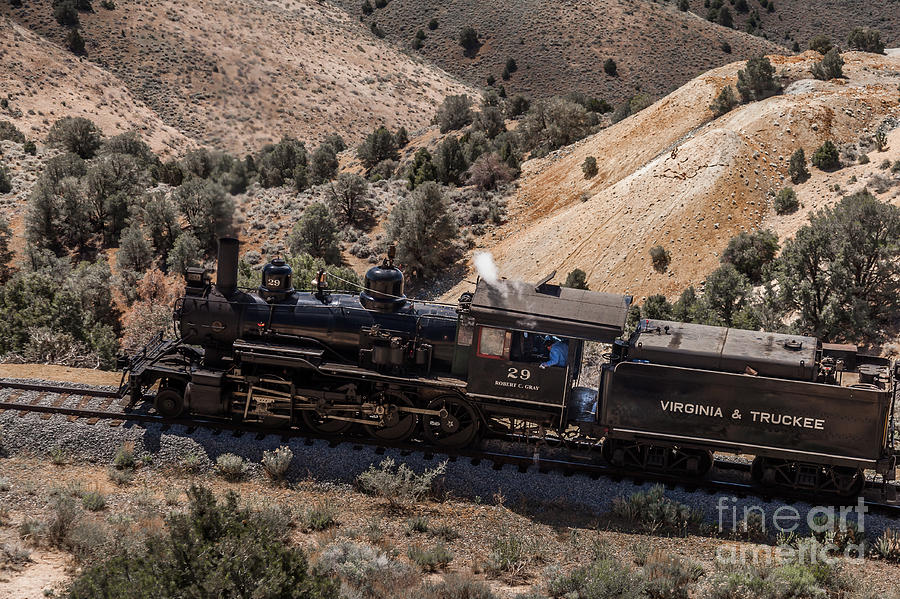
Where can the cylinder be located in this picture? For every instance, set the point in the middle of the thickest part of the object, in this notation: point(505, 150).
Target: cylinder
point(227, 266)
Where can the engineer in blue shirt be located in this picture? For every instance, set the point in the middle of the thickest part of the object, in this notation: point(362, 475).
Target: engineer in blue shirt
point(559, 352)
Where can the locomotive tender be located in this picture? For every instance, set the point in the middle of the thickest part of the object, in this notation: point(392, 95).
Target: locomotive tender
point(814, 416)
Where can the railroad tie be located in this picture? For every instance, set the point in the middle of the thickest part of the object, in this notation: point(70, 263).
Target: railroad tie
point(33, 402)
point(81, 405)
point(103, 406)
point(12, 397)
point(59, 400)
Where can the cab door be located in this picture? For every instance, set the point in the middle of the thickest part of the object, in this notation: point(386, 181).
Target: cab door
point(495, 373)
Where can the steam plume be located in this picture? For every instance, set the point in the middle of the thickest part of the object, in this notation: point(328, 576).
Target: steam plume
point(487, 270)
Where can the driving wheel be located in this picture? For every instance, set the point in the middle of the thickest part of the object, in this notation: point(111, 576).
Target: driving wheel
point(396, 425)
point(456, 426)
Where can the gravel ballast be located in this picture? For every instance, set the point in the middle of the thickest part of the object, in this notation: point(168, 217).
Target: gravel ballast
point(29, 434)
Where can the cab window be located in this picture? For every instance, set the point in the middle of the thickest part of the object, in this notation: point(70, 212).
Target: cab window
point(493, 343)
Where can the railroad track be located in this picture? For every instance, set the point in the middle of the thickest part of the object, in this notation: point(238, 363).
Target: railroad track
point(118, 412)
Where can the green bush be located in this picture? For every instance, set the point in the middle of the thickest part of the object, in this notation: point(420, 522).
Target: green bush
point(431, 559)
point(367, 8)
point(821, 44)
point(231, 466)
point(830, 67)
point(468, 39)
point(684, 5)
point(604, 578)
point(5, 183)
point(724, 102)
point(120, 477)
point(10, 132)
point(838, 271)
point(655, 511)
point(669, 576)
point(552, 124)
point(576, 279)
point(866, 40)
point(416, 524)
point(660, 258)
point(75, 42)
point(786, 201)
point(319, 517)
point(756, 81)
point(208, 210)
point(424, 230)
point(433, 24)
point(6, 271)
point(826, 157)
point(316, 234)
point(75, 134)
point(378, 146)
point(64, 511)
point(124, 457)
point(750, 252)
point(323, 165)
point(455, 586)
point(93, 501)
point(610, 68)
point(30, 148)
point(65, 13)
point(215, 549)
point(281, 163)
point(349, 198)
point(365, 571)
point(276, 463)
point(797, 168)
point(657, 307)
point(589, 167)
point(398, 484)
point(454, 113)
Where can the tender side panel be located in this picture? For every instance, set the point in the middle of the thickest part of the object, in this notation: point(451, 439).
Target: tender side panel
point(748, 414)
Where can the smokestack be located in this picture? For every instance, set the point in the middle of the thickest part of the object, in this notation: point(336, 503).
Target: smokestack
point(227, 266)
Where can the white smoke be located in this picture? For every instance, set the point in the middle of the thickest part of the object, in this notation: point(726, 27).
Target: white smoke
point(487, 270)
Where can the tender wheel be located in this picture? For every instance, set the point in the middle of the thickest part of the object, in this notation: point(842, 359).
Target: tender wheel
point(169, 402)
point(323, 424)
point(398, 426)
point(458, 425)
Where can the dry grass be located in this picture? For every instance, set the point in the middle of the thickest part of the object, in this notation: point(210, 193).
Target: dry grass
point(503, 544)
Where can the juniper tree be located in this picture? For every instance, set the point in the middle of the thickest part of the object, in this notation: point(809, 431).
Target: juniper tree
point(424, 230)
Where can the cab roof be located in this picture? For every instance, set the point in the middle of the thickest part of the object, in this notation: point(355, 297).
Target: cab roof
point(550, 309)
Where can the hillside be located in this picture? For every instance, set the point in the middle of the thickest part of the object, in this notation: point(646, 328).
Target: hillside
point(673, 175)
point(801, 20)
point(561, 47)
point(237, 74)
point(43, 82)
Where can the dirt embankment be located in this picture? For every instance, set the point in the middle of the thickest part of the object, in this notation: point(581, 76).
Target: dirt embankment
point(675, 176)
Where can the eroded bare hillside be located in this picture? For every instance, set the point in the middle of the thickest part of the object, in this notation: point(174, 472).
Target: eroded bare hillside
point(673, 175)
point(236, 74)
point(43, 82)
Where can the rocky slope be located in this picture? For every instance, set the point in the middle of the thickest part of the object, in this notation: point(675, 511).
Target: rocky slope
point(674, 175)
point(237, 74)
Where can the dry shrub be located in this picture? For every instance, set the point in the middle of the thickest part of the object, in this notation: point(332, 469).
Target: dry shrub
point(489, 171)
point(152, 310)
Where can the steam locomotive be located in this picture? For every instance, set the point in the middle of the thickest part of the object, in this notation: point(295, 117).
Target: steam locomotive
point(814, 416)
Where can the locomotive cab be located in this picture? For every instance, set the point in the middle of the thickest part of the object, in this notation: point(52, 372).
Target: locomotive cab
point(527, 340)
